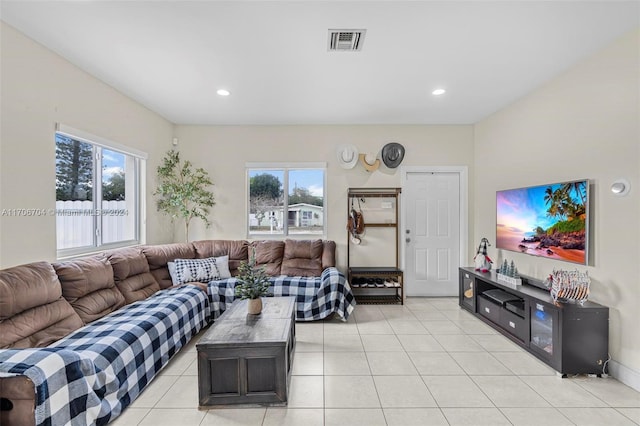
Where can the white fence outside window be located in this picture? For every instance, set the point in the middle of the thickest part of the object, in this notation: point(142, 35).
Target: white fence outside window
point(75, 223)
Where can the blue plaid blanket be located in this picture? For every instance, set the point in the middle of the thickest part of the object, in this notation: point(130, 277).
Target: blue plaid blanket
point(316, 297)
point(94, 373)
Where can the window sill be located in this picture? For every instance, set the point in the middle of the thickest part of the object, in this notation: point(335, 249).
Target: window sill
point(70, 254)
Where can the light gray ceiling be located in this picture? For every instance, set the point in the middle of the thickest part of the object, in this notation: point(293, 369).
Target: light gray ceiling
point(172, 56)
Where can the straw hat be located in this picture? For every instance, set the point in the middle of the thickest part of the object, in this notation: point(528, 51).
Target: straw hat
point(347, 156)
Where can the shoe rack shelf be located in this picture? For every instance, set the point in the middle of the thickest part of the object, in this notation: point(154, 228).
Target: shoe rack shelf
point(376, 284)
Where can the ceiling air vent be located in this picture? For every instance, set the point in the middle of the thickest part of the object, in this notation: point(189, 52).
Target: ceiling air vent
point(346, 40)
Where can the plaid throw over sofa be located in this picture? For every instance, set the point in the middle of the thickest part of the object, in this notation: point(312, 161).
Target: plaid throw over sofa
point(80, 340)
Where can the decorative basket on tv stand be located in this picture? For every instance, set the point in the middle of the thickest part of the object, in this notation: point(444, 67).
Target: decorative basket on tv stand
point(569, 286)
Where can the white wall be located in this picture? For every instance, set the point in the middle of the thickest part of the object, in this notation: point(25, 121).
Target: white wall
point(39, 88)
point(582, 124)
point(224, 150)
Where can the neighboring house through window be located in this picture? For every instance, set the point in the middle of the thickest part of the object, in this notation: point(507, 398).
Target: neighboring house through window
point(98, 187)
point(286, 199)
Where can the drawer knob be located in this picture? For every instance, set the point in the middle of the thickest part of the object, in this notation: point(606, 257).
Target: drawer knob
point(512, 324)
point(487, 310)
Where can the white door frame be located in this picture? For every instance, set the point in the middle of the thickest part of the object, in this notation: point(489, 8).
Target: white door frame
point(464, 208)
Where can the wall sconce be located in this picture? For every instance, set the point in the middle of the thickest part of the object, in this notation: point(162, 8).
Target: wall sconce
point(620, 187)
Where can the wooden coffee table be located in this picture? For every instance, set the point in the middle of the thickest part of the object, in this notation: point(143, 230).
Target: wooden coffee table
point(247, 359)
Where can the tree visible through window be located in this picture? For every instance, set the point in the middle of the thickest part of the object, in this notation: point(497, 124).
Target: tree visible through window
point(74, 170)
point(96, 196)
point(265, 201)
point(286, 201)
point(113, 177)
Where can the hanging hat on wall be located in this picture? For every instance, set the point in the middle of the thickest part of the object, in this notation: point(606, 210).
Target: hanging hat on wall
point(392, 155)
point(347, 156)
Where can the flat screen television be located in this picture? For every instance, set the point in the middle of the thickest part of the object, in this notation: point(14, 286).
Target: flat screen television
point(547, 220)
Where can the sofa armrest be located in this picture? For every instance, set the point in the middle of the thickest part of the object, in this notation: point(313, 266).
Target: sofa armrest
point(50, 371)
point(17, 401)
point(331, 272)
point(328, 254)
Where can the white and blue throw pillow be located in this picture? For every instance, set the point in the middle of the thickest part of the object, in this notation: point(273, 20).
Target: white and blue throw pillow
point(199, 270)
point(195, 270)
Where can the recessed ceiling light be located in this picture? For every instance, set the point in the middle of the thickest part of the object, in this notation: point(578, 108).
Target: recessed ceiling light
point(438, 92)
point(223, 92)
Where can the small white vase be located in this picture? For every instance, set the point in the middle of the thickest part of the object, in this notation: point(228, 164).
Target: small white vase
point(254, 306)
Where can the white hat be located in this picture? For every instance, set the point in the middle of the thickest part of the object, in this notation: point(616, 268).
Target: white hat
point(347, 156)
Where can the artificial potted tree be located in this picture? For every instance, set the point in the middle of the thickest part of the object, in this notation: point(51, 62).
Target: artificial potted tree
point(253, 283)
point(183, 192)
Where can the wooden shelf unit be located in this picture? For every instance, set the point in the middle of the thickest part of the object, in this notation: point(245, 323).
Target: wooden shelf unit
point(376, 284)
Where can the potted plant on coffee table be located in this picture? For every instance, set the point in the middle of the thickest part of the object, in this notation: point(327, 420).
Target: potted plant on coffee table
point(253, 283)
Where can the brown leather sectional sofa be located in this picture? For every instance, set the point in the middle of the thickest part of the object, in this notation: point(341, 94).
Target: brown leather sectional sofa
point(41, 303)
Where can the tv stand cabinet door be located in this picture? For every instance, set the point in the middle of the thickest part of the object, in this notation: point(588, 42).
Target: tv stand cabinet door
point(467, 294)
point(584, 340)
point(544, 337)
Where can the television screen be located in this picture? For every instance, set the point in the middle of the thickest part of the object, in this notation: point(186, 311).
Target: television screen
point(547, 220)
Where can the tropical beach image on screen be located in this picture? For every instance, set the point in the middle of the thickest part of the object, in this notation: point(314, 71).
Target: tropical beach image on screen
point(547, 220)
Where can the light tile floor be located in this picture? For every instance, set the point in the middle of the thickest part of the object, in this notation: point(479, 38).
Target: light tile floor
point(425, 363)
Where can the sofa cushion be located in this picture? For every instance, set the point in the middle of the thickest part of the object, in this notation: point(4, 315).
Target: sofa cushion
point(302, 258)
point(269, 255)
point(237, 250)
point(87, 284)
point(328, 254)
point(131, 274)
point(33, 312)
point(158, 257)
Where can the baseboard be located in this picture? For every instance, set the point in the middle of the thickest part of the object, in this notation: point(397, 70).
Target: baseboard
point(624, 374)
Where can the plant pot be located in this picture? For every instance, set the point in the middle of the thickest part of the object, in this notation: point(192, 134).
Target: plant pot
point(254, 306)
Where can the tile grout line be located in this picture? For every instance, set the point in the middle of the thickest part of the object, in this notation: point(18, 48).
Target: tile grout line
point(467, 375)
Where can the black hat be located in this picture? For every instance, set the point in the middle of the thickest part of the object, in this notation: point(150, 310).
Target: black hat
point(392, 154)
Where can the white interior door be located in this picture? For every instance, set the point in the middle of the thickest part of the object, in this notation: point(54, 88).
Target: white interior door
point(432, 233)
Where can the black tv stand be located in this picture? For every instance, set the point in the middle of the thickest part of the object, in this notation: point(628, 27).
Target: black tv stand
point(570, 337)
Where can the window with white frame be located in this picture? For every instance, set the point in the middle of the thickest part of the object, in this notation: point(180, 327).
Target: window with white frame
point(286, 200)
point(98, 187)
